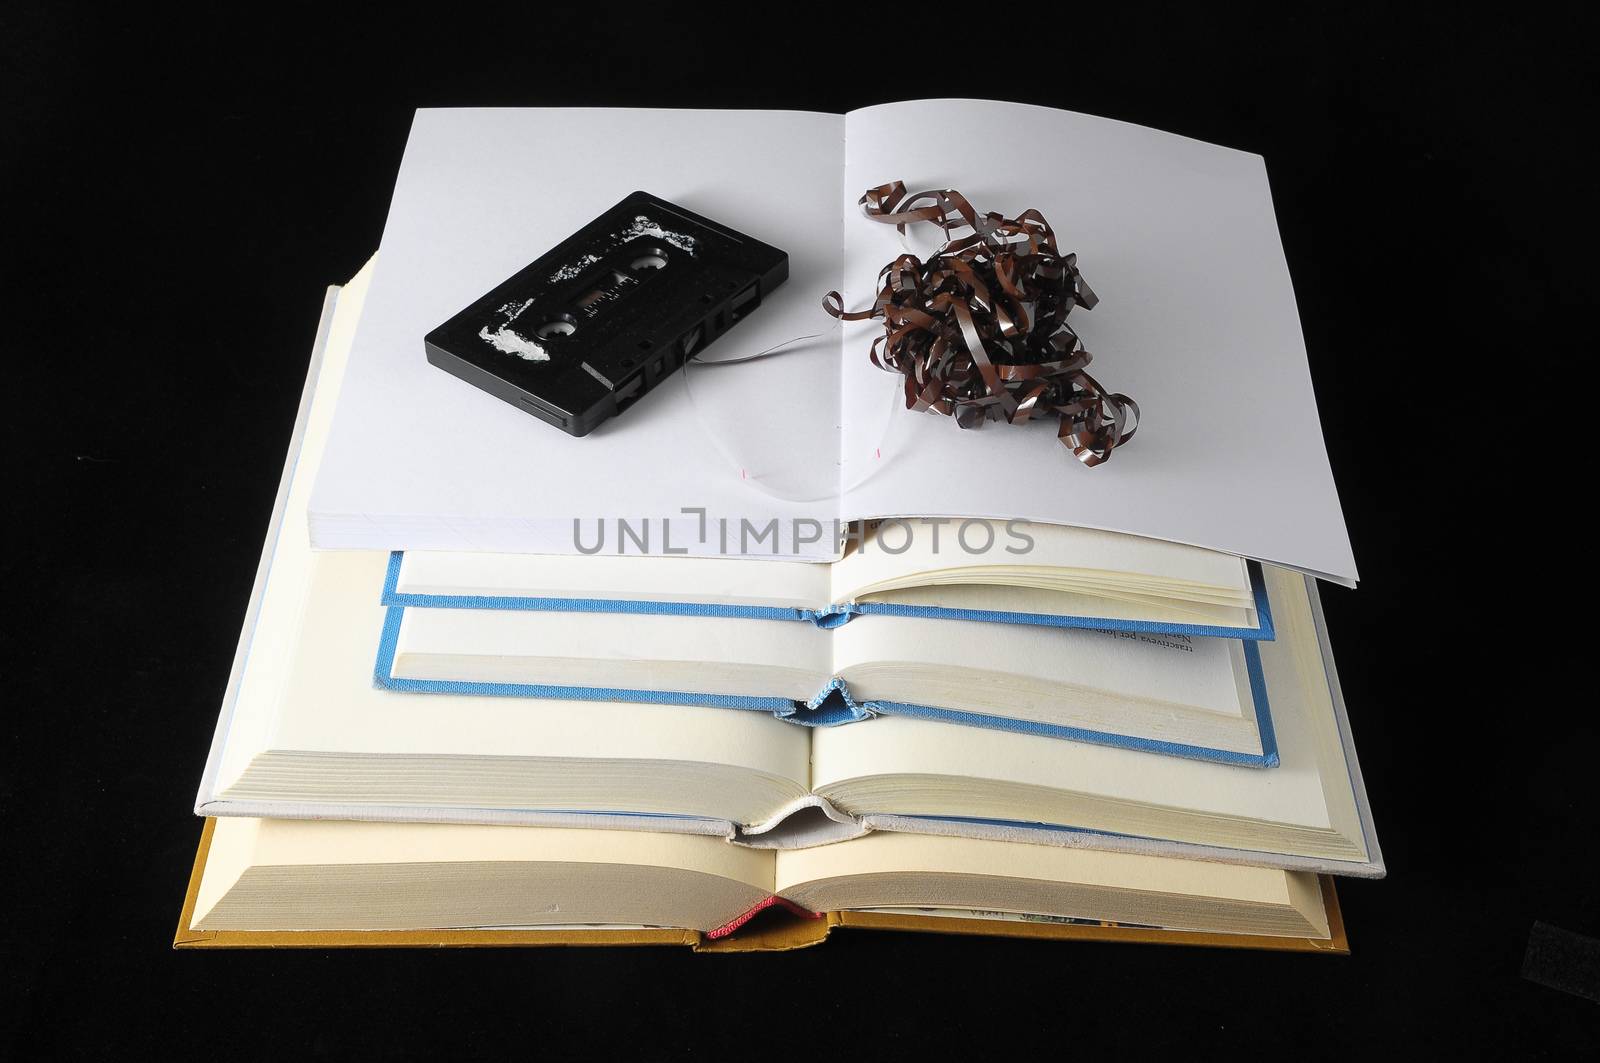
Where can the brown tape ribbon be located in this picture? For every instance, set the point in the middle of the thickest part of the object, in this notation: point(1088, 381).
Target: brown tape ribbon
point(979, 330)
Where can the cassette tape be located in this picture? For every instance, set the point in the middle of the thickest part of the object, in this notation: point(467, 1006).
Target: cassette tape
point(587, 329)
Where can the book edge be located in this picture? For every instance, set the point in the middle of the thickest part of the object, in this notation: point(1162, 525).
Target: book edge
point(269, 547)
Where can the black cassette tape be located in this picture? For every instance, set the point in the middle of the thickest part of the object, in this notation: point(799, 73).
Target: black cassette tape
point(583, 332)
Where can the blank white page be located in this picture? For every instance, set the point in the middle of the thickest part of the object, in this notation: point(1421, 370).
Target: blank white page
point(1197, 321)
point(421, 460)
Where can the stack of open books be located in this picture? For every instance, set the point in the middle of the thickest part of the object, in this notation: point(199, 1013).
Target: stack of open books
point(501, 685)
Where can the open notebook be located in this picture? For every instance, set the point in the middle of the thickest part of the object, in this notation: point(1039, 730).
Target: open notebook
point(305, 733)
point(286, 883)
point(1196, 319)
point(1203, 698)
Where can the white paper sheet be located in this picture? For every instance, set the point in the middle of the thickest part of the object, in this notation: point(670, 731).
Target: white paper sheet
point(1197, 321)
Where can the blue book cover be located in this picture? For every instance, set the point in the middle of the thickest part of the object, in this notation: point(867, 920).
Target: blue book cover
point(832, 705)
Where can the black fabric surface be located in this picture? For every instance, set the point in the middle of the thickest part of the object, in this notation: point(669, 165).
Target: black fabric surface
point(178, 193)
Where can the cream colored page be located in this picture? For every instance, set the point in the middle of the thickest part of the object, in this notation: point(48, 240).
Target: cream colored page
point(232, 852)
point(657, 578)
point(955, 544)
point(1061, 603)
point(1305, 640)
point(888, 852)
point(1200, 673)
point(1291, 793)
point(331, 703)
point(282, 842)
point(617, 637)
point(272, 642)
point(238, 843)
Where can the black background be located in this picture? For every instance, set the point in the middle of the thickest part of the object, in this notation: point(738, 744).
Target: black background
point(177, 195)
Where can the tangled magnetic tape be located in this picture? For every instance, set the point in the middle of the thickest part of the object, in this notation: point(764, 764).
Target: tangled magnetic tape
point(979, 331)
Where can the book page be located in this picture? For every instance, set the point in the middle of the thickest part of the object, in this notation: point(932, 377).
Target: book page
point(888, 852)
point(1290, 793)
point(1108, 604)
point(462, 869)
point(695, 654)
point(1203, 674)
point(634, 578)
point(901, 551)
point(1196, 321)
point(298, 842)
point(909, 870)
point(421, 460)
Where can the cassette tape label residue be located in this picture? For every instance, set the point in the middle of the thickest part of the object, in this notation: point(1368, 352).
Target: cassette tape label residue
point(589, 327)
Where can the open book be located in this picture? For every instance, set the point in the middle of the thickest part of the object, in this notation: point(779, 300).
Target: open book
point(1011, 572)
point(262, 876)
point(305, 733)
point(1196, 319)
point(1204, 698)
point(1045, 575)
